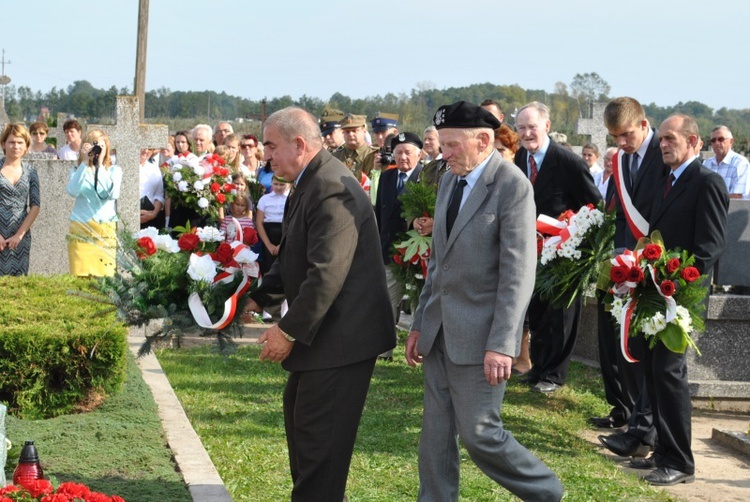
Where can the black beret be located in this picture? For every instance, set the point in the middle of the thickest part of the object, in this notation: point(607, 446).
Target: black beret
point(464, 115)
point(406, 137)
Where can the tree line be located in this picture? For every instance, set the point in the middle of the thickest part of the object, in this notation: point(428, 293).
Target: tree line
point(567, 104)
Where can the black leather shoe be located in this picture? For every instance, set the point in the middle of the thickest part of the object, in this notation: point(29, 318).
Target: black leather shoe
point(545, 387)
point(606, 422)
point(529, 379)
point(666, 476)
point(643, 463)
point(625, 445)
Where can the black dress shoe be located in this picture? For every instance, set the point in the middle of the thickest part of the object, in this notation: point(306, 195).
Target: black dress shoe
point(666, 476)
point(643, 463)
point(545, 387)
point(606, 422)
point(625, 445)
point(529, 379)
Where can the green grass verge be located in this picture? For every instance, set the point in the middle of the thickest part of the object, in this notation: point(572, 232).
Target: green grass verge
point(116, 449)
point(234, 404)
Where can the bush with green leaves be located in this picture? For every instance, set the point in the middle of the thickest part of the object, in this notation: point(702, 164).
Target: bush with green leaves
point(59, 352)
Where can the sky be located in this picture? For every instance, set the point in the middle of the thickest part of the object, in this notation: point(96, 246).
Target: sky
point(657, 51)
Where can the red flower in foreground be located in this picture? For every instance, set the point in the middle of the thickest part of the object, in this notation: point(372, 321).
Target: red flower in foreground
point(188, 242)
point(221, 198)
point(397, 259)
point(9, 489)
point(673, 264)
point(690, 274)
point(39, 487)
point(146, 246)
point(635, 274)
point(73, 489)
point(618, 274)
point(60, 497)
point(215, 187)
point(249, 236)
point(224, 254)
point(667, 288)
point(652, 252)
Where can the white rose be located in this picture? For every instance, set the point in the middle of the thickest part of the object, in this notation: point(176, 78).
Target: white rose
point(166, 243)
point(198, 170)
point(191, 161)
point(150, 232)
point(177, 176)
point(198, 185)
point(203, 203)
point(182, 186)
point(202, 268)
point(209, 234)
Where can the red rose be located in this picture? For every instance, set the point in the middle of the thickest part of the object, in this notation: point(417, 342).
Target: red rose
point(146, 246)
point(224, 254)
point(188, 242)
point(635, 274)
point(673, 264)
point(39, 487)
point(397, 259)
point(215, 187)
point(221, 198)
point(228, 187)
point(652, 252)
point(224, 172)
point(667, 288)
point(618, 274)
point(690, 274)
point(249, 236)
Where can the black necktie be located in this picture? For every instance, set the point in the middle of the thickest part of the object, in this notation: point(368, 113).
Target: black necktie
point(454, 206)
point(401, 180)
point(633, 169)
point(669, 185)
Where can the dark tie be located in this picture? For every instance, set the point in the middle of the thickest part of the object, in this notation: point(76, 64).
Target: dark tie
point(633, 169)
point(670, 180)
point(534, 172)
point(289, 198)
point(454, 206)
point(401, 180)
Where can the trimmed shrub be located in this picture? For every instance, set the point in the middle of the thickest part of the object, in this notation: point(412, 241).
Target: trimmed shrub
point(58, 352)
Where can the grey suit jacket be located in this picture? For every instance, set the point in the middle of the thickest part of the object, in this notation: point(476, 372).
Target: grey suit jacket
point(480, 280)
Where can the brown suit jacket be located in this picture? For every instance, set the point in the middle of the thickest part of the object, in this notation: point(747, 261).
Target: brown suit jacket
point(330, 270)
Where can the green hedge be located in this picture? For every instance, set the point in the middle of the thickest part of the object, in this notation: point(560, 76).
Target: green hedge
point(57, 352)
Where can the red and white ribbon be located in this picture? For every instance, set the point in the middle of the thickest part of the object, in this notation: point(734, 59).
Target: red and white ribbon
point(626, 316)
point(671, 304)
point(559, 231)
point(637, 223)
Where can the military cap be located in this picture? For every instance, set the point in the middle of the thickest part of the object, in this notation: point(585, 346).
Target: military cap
point(329, 120)
point(406, 137)
point(351, 120)
point(384, 121)
point(464, 115)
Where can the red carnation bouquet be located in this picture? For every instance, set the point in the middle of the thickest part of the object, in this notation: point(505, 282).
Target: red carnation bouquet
point(41, 490)
point(657, 292)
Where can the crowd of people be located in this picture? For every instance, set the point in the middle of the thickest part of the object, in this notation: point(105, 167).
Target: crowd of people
point(328, 217)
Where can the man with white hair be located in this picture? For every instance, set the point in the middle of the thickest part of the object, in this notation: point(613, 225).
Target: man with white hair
point(202, 139)
point(730, 165)
point(221, 131)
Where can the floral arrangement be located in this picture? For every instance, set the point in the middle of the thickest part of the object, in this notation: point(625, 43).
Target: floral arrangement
point(186, 281)
point(42, 490)
point(411, 254)
point(657, 292)
point(571, 249)
point(202, 184)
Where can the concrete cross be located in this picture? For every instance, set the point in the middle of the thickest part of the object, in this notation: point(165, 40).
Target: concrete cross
point(58, 132)
point(594, 127)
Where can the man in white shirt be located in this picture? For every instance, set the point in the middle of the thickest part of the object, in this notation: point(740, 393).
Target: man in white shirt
point(730, 165)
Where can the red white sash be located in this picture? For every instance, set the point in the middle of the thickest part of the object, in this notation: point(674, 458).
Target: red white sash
point(637, 223)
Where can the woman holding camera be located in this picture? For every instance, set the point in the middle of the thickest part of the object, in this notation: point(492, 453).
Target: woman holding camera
point(95, 183)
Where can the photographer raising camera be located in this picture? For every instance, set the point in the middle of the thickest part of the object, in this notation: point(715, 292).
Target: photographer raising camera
point(95, 183)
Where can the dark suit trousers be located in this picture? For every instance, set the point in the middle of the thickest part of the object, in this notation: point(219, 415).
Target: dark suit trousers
point(641, 420)
point(322, 409)
point(553, 336)
point(667, 384)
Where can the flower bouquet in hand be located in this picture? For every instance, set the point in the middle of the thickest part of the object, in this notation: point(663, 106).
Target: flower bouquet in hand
point(571, 249)
point(201, 184)
point(412, 252)
point(657, 292)
point(196, 281)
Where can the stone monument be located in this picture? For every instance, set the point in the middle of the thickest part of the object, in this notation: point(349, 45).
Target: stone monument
point(594, 127)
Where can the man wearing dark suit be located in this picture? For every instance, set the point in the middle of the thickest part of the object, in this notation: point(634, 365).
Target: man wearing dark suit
point(407, 150)
point(467, 328)
point(339, 318)
point(561, 181)
point(691, 214)
point(640, 162)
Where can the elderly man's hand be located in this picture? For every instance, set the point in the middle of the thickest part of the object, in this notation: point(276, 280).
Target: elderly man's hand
point(497, 367)
point(277, 347)
point(412, 356)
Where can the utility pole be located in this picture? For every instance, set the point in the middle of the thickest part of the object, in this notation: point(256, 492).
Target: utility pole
point(4, 79)
point(139, 88)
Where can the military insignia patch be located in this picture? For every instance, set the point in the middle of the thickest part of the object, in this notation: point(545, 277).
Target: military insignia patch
point(439, 117)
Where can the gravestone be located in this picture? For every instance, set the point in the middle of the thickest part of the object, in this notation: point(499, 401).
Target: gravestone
point(49, 251)
point(733, 268)
point(594, 127)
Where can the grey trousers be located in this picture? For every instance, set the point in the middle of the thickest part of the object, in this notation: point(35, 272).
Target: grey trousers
point(459, 403)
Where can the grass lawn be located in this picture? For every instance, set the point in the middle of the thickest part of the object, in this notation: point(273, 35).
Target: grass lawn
point(117, 449)
point(234, 403)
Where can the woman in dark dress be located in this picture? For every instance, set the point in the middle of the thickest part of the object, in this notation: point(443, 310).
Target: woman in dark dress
point(19, 201)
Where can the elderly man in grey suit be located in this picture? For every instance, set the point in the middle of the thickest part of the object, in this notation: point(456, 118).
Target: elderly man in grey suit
point(467, 328)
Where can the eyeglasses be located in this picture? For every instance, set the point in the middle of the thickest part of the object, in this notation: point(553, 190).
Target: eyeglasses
point(247, 146)
point(719, 139)
point(38, 133)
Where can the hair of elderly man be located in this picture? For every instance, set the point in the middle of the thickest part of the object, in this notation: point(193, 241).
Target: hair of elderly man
point(292, 122)
point(231, 129)
point(205, 127)
point(541, 108)
point(431, 128)
point(623, 112)
point(725, 129)
point(688, 127)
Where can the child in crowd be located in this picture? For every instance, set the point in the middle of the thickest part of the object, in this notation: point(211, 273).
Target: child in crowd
point(240, 209)
point(269, 215)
